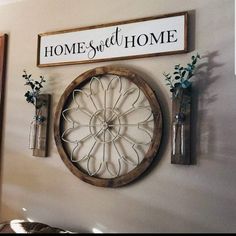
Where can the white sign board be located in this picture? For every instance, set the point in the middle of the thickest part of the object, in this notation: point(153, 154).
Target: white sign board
point(123, 40)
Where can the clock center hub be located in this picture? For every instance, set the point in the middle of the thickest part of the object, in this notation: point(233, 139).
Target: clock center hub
point(105, 125)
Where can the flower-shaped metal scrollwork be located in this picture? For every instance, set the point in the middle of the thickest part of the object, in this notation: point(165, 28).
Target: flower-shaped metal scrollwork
point(108, 126)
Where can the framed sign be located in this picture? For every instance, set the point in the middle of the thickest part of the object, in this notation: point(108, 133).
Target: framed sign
point(152, 36)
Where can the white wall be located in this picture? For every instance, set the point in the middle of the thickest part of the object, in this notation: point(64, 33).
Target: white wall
point(170, 198)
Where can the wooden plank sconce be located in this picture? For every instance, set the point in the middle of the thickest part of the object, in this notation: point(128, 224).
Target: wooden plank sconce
point(181, 127)
point(41, 132)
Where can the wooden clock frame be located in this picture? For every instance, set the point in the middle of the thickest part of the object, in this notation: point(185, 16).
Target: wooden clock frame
point(151, 153)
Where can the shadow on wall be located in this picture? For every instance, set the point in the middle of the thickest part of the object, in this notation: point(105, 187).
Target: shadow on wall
point(203, 135)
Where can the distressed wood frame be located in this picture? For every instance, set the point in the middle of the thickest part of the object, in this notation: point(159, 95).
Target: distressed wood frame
point(42, 151)
point(185, 157)
point(79, 82)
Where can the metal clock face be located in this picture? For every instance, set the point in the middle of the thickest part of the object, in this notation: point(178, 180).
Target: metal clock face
point(108, 126)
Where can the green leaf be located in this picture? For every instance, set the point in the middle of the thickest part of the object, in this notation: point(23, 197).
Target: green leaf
point(185, 84)
point(181, 75)
point(27, 93)
point(177, 85)
point(190, 75)
point(31, 85)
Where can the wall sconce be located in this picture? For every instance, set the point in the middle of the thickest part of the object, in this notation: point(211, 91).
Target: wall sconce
point(180, 85)
point(181, 126)
point(38, 137)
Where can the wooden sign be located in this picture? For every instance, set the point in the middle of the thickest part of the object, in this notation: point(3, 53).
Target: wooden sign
point(3, 54)
point(115, 41)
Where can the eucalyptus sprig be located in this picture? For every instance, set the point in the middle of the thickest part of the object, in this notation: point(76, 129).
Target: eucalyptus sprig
point(181, 76)
point(32, 95)
point(35, 88)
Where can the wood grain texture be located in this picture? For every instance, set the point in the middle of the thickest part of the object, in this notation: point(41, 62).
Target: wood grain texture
point(3, 54)
point(42, 140)
point(177, 158)
point(79, 82)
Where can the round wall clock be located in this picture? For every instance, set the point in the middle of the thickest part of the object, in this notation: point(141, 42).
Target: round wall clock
point(108, 126)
